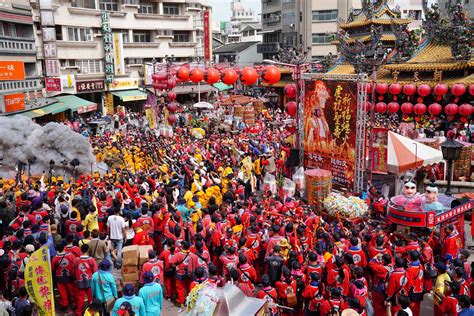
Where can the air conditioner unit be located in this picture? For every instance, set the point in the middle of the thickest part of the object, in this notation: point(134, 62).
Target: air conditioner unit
point(89, 37)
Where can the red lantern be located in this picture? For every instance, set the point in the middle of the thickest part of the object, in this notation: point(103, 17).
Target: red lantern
point(369, 88)
point(290, 90)
point(458, 89)
point(380, 107)
point(407, 108)
point(440, 89)
point(395, 88)
point(248, 76)
point(435, 109)
point(368, 106)
point(212, 76)
point(172, 119)
point(229, 76)
point(156, 85)
point(171, 83)
point(451, 109)
point(196, 75)
point(291, 108)
point(271, 75)
point(393, 107)
point(171, 96)
point(182, 74)
point(471, 89)
point(159, 76)
point(409, 89)
point(172, 107)
point(465, 109)
point(419, 109)
point(424, 90)
point(381, 88)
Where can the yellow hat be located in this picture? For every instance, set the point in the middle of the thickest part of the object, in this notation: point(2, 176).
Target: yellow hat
point(284, 243)
point(60, 178)
point(196, 176)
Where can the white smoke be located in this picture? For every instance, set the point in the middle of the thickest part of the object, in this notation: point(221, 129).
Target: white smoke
point(23, 140)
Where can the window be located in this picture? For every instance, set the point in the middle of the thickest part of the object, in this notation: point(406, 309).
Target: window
point(288, 18)
point(147, 8)
point(414, 14)
point(171, 8)
point(124, 33)
point(141, 37)
point(88, 4)
point(164, 32)
point(108, 5)
point(89, 66)
point(180, 36)
point(320, 38)
point(325, 15)
point(76, 34)
point(59, 32)
point(8, 29)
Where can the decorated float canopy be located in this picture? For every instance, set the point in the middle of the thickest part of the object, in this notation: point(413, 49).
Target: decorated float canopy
point(202, 105)
point(405, 153)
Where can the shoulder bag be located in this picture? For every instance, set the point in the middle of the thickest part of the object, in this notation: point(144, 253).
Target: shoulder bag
point(109, 302)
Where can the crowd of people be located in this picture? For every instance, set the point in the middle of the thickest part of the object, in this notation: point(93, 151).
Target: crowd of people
point(201, 205)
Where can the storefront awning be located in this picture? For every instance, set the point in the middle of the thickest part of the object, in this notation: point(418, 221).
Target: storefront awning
point(130, 95)
point(222, 86)
point(54, 108)
point(76, 104)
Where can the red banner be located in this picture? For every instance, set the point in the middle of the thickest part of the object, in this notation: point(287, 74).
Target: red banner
point(14, 102)
point(329, 125)
point(53, 84)
point(379, 150)
point(207, 37)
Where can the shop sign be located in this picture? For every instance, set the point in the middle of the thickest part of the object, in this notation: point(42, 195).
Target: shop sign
point(108, 47)
point(123, 84)
point(14, 102)
point(52, 67)
point(119, 63)
point(90, 86)
point(47, 18)
point(12, 70)
point(53, 84)
point(50, 50)
point(85, 109)
point(49, 34)
point(68, 81)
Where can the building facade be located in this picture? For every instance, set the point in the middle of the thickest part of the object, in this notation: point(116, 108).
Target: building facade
point(285, 23)
point(17, 45)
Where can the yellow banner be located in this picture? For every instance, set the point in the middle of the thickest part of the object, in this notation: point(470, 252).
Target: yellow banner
point(150, 116)
point(39, 282)
point(109, 103)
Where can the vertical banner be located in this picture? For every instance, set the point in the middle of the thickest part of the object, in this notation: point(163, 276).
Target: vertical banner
point(207, 36)
point(150, 116)
point(108, 47)
point(39, 281)
point(379, 150)
point(119, 63)
point(330, 129)
point(109, 103)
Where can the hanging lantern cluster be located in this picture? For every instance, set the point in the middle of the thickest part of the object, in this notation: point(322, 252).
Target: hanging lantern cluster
point(290, 91)
point(439, 92)
point(163, 81)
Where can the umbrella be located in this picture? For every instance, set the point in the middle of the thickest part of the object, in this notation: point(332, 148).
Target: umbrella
point(405, 153)
point(203, 105)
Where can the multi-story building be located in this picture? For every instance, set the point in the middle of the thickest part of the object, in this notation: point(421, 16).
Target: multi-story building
point(285, 23)
point(86, 52)
point(17, 44)
point(468, 5)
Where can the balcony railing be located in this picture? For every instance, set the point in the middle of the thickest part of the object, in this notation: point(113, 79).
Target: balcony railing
point(17, 46)
point(24, 85)
point(268, 48)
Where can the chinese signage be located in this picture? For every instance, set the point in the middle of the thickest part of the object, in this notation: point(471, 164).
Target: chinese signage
point(39, 282)
point(49, 34)
point(109, 103)
point(150, 116)
point(12, 70)
point(207, 36)
point(90, 86)
point(52, 67)
point(53, 84)
point(123, 84)
point(329, 126)
point(49, 50)
point(119, 63)
point(108, 47)
point(68, 81)
point(14, 102)
point(85, 109)
point(378, 151)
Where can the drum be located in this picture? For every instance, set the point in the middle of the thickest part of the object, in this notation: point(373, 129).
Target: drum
point(318, 185)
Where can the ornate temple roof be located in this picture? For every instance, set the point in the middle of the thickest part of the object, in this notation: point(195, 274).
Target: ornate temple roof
point(376, 14)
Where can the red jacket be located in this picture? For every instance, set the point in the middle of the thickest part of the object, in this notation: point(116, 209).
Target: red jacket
point(181, 261)
point(333, 279)
point(142, 238)
point(313, 267)
point(71, 226)
point(358, 256)
point(63, 267)
point(156, 267)
point(271, 296)
point(165, 257)
point(146, 223)
point(75, 250)
point(247, 275)
point(310, 294)
point(415, 277)
point(397, 282)
point(450, 246)
point(229, 262)
point(374, 251)
point(38, 216)
point(331, 304)
point(84, 267)
point(282, 288)
point(380, 273)
point(199, 260)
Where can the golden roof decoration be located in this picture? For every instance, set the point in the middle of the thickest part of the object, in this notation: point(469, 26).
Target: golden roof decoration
point(366, 22)
point(366, 38)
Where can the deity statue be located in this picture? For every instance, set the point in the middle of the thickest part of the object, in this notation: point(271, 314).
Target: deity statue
point(409, 200)
point(430, 201)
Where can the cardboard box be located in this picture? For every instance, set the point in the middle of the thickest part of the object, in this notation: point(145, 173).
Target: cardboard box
point(130, 262)
point(143, 254)
point(130, 277)
point(129, 269)
point(130, 251)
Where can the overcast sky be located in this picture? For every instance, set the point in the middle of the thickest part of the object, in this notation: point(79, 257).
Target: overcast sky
point(221, 8)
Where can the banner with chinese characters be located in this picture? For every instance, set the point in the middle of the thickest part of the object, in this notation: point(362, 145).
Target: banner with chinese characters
point(119, 63)
point(109, 103)
point(329, 126)
point(108, 47)
point(378, 151)
point(207, 35)
point(150, 116)
point(39, 282)
point(90, 86)
point(53, 84)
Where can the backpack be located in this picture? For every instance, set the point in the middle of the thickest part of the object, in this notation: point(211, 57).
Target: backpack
point(291, 299)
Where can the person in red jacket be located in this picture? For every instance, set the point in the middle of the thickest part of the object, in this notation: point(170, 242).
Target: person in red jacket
point(448, 301)
point(145, 221)
point(335, 303)
point(450, 246)
point(415, 282)
point(339, 276)
point(181, 261)
point(155, 266)
point(286, 288)
point(62, 266)
point(200, 276)
point(380, 267)
point(199, 258)
point(169, 274)
point(269, 294)
point(229, 261)
point(72, 223)
point(357, 253)
point(313, 294)
point(397, 284)
point(247, 272)
point(75, 250)
point(84, 267)
point(141, 237)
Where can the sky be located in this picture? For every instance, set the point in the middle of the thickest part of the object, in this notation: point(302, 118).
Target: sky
point(221, 8)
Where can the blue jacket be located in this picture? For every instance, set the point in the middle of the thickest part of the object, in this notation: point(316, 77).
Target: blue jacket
point(152, 295)
point(108, 285)
point(137, 305)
